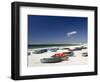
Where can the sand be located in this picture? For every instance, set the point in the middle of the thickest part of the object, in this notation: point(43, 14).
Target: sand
point(77, 59)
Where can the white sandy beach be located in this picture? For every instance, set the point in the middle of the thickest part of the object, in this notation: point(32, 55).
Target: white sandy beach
point(77, 59)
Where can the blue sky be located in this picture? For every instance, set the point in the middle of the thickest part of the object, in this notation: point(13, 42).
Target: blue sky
point(55, 29)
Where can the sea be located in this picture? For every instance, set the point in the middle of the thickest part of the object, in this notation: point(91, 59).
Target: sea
point(35, 46)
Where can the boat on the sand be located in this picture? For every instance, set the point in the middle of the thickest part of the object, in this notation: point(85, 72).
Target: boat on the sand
point(50, 60)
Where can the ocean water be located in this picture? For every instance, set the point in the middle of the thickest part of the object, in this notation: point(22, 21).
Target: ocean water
point(33, 46)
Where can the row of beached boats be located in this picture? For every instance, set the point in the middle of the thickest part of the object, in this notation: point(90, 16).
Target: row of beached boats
point(40, 51)
point(62, 54)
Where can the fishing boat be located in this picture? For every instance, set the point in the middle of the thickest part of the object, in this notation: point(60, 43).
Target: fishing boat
point(50, 60)
point(39, 51)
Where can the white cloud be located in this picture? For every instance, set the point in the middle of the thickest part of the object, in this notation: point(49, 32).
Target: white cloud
point(71, 33)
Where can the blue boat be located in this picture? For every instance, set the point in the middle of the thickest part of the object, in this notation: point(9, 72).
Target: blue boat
point(50, 60)
point(39, 51)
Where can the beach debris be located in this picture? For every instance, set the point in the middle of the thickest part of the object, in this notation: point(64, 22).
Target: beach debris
point(50, 60)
